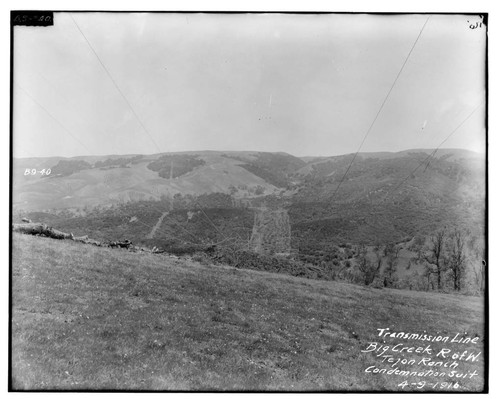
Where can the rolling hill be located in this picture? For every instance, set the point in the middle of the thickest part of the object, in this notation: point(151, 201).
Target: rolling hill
point(114, 184)
point(385, 197)
point(86, 318)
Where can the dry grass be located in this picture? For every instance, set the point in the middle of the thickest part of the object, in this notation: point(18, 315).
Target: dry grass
point(88, 318)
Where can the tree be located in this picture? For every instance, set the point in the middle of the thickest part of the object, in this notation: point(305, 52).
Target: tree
point(368, 269)
point(392, 249)
point(391, 253)
point(456, 258)
point(232, 189)
point(390, 270)
point(433, 256)
point(417, 243)
point(259, 190)
point(477, 251)
point(428, 274)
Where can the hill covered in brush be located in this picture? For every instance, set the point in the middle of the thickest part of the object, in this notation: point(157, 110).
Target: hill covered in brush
point(96, 181)
point(385, 197)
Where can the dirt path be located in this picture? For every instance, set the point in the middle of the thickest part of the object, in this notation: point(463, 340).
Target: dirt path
point(157, 225)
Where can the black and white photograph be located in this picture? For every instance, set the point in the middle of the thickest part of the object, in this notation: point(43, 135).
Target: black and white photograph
point(220, 201)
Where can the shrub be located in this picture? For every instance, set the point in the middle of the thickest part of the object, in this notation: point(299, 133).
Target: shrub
point(233, 256)
point(181, 250)
point(201, 258)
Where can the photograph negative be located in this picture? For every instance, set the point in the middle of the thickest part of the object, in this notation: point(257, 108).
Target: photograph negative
point(263, 201)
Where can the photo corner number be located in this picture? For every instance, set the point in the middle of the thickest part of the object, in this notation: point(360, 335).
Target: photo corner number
point(32, 18)
point(478, 24)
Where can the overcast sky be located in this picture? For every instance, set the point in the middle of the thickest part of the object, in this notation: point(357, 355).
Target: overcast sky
point(302, 84)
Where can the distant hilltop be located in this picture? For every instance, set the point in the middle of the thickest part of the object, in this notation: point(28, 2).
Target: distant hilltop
point(87, 181)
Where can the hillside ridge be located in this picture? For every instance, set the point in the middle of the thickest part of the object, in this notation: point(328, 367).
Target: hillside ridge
point(144, 322)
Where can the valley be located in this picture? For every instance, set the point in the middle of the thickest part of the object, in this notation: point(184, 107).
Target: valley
point(186, 202)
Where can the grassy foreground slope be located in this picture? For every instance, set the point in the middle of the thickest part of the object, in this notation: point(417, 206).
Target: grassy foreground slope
point(96, 318)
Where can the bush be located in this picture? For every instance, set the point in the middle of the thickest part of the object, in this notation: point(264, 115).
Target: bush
point(243, 259)
point(181, 250)
point(201, 258)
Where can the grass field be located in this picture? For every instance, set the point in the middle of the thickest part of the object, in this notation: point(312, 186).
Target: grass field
point(86, 318)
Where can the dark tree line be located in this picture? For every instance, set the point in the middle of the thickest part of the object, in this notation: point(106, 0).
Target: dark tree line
point(446, 258)
point(451, 259)
point(371, 270)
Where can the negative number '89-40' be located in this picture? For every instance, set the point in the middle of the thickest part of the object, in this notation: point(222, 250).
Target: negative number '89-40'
point(32, 172)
